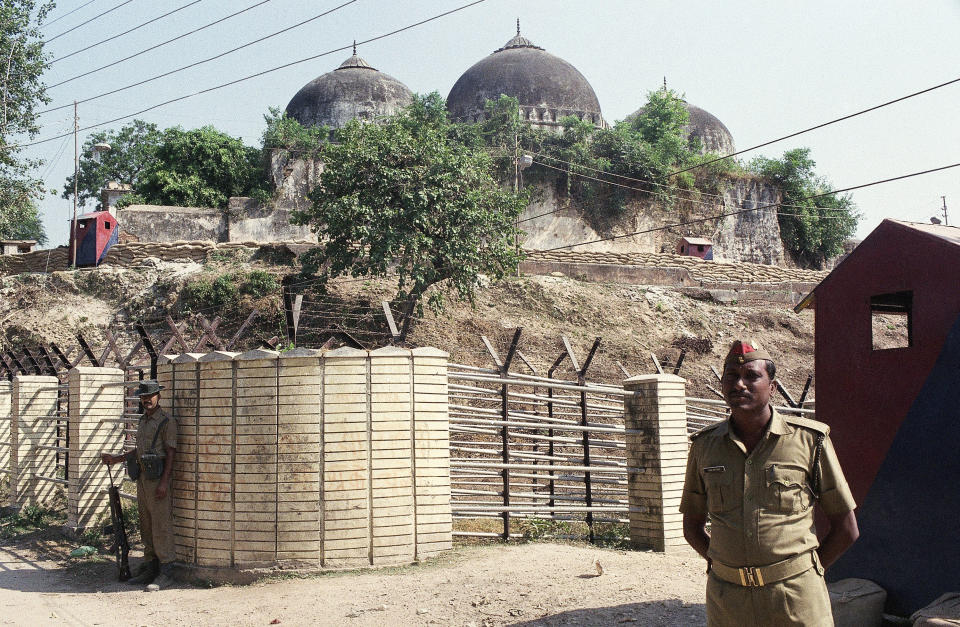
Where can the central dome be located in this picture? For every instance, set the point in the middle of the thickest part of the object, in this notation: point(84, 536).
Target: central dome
point(353, 90)
point(547, 87)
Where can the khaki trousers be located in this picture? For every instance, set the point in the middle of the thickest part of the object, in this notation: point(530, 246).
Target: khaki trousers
point(801, 600)
point(156, 522)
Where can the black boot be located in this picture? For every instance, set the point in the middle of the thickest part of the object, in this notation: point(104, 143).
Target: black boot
point(147, 572)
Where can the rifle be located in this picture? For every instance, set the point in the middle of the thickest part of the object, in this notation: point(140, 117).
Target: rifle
point(120, 544)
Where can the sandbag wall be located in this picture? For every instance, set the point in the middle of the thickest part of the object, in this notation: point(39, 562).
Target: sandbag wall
point(310, 459)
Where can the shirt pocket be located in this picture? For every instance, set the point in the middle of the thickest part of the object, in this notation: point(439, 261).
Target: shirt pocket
point(720, 497)
point(787, 490)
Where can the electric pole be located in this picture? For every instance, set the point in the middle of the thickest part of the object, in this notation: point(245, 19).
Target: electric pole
point(76, 176)
point(945, 221)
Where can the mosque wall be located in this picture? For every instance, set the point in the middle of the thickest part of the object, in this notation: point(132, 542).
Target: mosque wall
point(553, 219)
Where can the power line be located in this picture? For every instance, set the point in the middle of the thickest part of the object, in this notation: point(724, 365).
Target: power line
point(733, 213)
point(258, 74)
point(95, 17)
point(196, 63)
point(89, 2)
point(126, 32)
point(818, 126)
point(161, 44)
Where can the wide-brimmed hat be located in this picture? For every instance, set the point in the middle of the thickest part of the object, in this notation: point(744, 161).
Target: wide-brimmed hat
point(742, 351)
point(148, 387)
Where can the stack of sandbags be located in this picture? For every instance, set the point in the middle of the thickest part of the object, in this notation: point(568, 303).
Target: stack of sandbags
point(943, 612)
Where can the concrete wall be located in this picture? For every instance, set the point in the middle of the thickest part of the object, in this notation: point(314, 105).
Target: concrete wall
point(250, 221)
point(32, 431)
point(152, 223)
point(310, 459)
point(95, 426)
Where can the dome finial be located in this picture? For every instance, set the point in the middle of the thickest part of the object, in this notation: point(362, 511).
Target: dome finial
point(518, 27)
point(355, 50)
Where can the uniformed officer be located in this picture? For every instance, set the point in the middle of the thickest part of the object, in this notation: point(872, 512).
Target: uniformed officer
point(756, 477)
point(157, 437)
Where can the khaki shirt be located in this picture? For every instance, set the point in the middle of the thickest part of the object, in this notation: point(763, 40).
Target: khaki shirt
point(760, 506)
point(148, 428)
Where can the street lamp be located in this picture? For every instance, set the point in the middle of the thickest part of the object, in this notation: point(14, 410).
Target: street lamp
point(99, 149)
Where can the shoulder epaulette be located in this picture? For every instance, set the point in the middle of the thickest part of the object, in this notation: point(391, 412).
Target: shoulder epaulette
point(694, 436)
point(820, 427)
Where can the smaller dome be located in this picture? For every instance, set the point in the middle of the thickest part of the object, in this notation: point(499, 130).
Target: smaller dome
point(355, 90)
point(713, 135)
point(703, 125)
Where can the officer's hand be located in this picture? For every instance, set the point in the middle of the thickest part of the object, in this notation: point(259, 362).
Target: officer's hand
point(161, 490)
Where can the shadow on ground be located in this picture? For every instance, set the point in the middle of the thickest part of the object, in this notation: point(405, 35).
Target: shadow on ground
point(666, 612)
point(38, 570)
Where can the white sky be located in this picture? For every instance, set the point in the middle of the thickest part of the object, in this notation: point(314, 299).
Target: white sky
point(764, 68)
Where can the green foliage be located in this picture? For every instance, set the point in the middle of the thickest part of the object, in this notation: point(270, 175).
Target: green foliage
point(286, 133)
point(224, 291)
point(30, 518)
point(812, 229)
point(221, 292)
point(646, 149)
point(201, 168)
point(133, 149)
point(19, 215)
point(190, 168)
point(258, 284)
point(415, 196)
point(22, 92)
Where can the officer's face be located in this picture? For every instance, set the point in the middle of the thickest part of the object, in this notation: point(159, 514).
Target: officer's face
point(747, 387)
point(150, 402)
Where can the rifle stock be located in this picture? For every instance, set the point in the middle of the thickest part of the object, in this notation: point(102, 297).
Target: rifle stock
point(121, 544)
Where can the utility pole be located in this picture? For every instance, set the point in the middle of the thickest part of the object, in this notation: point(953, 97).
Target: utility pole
point(945, 221)
point(76, 176)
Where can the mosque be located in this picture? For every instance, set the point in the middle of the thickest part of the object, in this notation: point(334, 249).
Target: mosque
point(548, 89)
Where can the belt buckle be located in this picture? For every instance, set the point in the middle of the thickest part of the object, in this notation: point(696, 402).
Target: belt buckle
point(750, 577)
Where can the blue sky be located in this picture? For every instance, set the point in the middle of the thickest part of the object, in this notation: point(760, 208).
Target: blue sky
point(764, 68)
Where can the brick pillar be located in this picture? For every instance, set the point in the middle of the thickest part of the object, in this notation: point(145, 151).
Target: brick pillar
point(6, 459)
point(33, 424)
point(431, 443)
point(656, 422)
point(95, 427)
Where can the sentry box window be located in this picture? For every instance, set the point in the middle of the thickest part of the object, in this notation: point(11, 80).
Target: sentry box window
point(892, 320)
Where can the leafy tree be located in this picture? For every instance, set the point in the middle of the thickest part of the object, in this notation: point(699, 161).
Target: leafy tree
point(200, 168)
point(133, 149)
point(19, 217)
point(408, 196)
point(287, 133)
point(22, 63)
point(812, 229)
point(661, 124)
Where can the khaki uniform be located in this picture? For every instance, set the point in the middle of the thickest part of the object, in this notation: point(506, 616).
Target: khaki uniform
point(760, 509)
point(156, 515)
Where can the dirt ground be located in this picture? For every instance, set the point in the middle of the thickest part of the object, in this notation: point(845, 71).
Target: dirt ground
point(520, 584)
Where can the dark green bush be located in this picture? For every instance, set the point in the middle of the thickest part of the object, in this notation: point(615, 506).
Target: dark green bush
point(259, 284)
